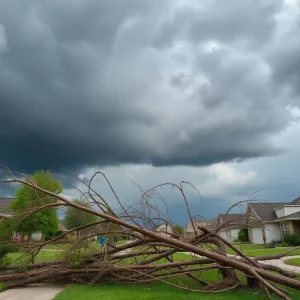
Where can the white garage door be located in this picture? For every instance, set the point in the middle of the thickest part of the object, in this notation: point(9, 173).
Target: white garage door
point(257, 236)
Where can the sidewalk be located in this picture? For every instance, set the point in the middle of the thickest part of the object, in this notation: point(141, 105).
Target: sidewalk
point(280, 263)
point(34, 292)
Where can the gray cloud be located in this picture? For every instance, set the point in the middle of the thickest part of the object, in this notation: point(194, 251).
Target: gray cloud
point(86, 83)
point(224, 21)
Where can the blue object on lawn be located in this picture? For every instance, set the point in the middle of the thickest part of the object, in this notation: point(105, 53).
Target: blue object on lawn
point(102, 240)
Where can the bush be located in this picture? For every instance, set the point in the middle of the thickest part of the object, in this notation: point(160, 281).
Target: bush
point(271, 245)
point(283, 244)
point(52, 234)
point(292, 239)
point(58, 233)
point(243, 235)
point(7, 249)
point(6, 235)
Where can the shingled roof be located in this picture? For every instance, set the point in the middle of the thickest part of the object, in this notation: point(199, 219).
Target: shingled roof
point(4, 205)
point(295, 215)
point(190, 229)
point(266, 211)
point(296, 201)
point(233, 220)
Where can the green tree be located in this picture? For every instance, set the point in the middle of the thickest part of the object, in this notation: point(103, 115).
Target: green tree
point(43, 221)
point(179, 229)
point(76, 217)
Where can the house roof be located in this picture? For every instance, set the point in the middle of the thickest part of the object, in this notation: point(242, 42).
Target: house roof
point(266, 211)
point(291, 216)
point(62, 225)
point(4, 205)
point(233, 220)
point(296, 201)
point(213, 224)
point(190, 228)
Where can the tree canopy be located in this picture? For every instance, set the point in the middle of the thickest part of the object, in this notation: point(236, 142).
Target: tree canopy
point(43, 221)
point(76, 217)
point(179, 229)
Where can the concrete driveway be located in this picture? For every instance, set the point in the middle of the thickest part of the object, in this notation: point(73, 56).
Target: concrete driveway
point(36, 292)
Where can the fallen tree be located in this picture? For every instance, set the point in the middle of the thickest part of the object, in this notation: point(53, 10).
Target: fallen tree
point(147, 256)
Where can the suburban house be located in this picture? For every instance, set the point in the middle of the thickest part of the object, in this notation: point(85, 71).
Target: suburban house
point(269, 222)
point(190, 232)
point(231, 225)
point(165, 230)
point(4, 207)
point(5, 212)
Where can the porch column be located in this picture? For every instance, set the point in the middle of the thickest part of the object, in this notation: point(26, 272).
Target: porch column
point(291, 227)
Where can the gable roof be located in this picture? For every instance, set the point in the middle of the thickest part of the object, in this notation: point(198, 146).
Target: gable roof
point(163, 226)
point(295, 215)
point(62, 225)
point(233, 220)
point(190, 228)
point(296, 201)
point(4, 205)
point(265, 211)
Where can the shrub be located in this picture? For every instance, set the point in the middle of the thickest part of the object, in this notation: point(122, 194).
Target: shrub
point(52, 234)
point(243, 235)
point(271, 245)
point(283, 244)
point(292, 239)
point(58, 233)
point(6, 235)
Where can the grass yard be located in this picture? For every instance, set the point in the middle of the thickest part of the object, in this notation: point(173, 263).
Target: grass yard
point(157, 290)
point(269, 251)
point(293, 262)
point(19, 257)
point(153, 291)
point(243, 246)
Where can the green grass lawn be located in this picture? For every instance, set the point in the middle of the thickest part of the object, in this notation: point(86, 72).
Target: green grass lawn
point(155, 291)
point(243, 246)
point(58, 246)
point(293, 262)
point(158, 290)
point(20, 257)
point(263, 252)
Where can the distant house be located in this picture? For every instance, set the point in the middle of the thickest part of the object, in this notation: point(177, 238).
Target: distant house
point(89, 232)
point(271, 221)
point(190, 231)
point(165, 230)
point(62, 226)
point(231, 225)
point(5, 211)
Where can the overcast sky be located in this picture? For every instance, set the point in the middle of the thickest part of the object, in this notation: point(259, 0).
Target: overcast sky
point(155, 91)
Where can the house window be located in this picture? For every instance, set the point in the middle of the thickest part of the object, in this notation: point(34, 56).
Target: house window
point(285, 228)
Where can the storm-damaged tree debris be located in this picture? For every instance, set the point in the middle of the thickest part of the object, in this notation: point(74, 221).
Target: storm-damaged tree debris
point(145, 255)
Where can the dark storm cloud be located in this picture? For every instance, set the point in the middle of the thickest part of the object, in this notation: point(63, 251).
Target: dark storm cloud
point(86, 83)
point(284, 57)
point(225, 21)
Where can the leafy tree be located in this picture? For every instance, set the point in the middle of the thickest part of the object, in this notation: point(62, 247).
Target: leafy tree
point(76, 217)
point(179, 229)
point(45, 220)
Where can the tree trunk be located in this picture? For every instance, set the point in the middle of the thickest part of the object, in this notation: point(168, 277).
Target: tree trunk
point(229, 276)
